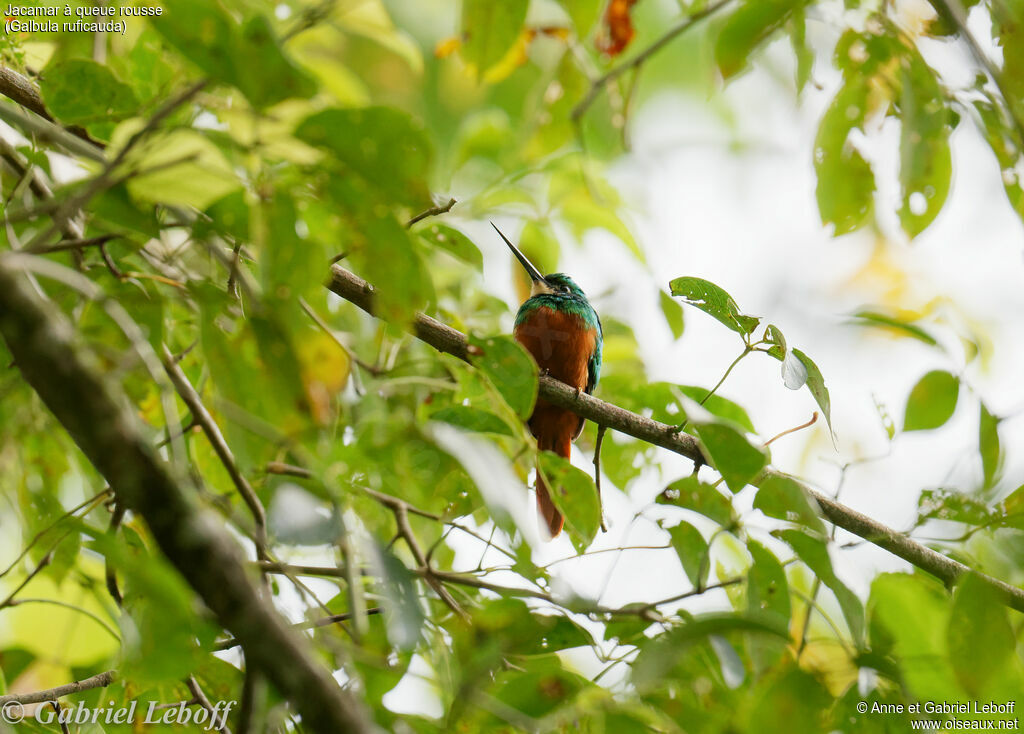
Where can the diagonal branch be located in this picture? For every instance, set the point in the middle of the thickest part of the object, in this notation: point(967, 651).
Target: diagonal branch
point(21, 90)
point(52, 694)
point(203, 418)
point(107, 431)
point(637, 61)
point(446, 339)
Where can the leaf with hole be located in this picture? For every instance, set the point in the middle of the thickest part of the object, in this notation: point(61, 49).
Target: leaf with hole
point(715, 302)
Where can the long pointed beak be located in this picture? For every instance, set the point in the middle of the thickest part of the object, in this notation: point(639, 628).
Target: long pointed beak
point(530, 269)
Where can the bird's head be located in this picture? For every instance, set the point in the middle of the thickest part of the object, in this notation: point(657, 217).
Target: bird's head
point(558, 284)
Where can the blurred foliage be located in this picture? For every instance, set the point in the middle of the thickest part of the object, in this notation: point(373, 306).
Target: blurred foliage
point(322, 133)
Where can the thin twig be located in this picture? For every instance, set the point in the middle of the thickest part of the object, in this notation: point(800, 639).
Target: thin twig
point(597, 475)
point(312, 624)
point(614, 73)
point(201, 699)
point(66, 605)
point(72, 244)
point(794, 429)
point(52, 694)
point(9, 601)
point(401, 513)
point(220, 446)
point(432, 212)
point(90, 503)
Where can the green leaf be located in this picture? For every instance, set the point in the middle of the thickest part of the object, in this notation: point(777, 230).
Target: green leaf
point(583, 14)
point(290, 265)
point(692, 494)
point(732, 454)
point(212, 40)
point(673, 314)
point(510, 368)
point(981, 640)
point(814, 553)
point(894, 323)
point(953, 506)
point(228, 216)
point(184, 167)
point(657, 659)
point(719, 406)
point(932, 401)
point(816, 384)
point(1002, 139)
point(926, 164)
point(1008, 30)
point(472, 419)
point(453, 242)
point(403, 615)
point(575, 496)
point(692, 550)
point(384, 146)
point(715, 302)
point(386, 255)
point(521, 631)
point(846, 185)
point(540, 689)
point(784, 498)
point(920, 649)
point(279, 78)
point(746, 28)
point(490, 28)
point(792, 700)
point(204, 34)
point(804, 53)
point(80, 92)
point(988, 443)
point(767, 593)
point(767, 588)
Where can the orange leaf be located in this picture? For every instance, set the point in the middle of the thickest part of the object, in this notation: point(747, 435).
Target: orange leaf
point(446, 47)
point(618, 25)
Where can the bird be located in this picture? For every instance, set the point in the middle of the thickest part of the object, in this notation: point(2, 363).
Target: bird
point(559, 327)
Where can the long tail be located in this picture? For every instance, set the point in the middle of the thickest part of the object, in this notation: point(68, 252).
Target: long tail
point(559, 441)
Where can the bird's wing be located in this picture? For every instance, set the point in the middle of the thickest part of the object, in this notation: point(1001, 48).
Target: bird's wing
point(594, 363)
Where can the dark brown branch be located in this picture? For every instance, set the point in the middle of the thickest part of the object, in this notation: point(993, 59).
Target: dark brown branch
point(446, 339)
point(52, 694)
point(106, 430)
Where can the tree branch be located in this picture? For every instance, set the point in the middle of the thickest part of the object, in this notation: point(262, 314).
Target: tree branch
point(432, 212)
point(106, 429)
point(446, 339)
point(203, 418)
point(52, 694)
point(20, 89)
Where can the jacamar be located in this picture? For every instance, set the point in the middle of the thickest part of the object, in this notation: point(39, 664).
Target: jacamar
point(562, 331)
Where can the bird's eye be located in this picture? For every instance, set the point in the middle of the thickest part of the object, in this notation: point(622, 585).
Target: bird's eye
point(563, 288)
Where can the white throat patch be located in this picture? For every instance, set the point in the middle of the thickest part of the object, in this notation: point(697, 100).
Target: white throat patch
point(539, 287)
